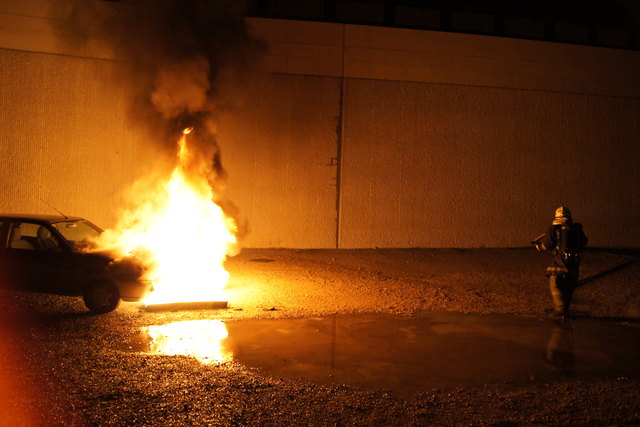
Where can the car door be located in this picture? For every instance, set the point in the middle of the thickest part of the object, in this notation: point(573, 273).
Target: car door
point(35, 265)
point(4, 272)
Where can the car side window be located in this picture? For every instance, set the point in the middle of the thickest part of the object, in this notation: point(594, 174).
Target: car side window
point(16, 239)
point(31, 236)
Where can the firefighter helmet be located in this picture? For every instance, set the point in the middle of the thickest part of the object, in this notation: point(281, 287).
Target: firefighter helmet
point(563, 212)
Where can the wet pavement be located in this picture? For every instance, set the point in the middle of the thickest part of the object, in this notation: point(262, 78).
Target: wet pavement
point(408, 354)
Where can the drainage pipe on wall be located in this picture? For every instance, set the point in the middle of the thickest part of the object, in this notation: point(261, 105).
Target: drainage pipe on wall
point(339, 140)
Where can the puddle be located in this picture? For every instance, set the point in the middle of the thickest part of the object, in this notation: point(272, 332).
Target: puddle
point(409, 354)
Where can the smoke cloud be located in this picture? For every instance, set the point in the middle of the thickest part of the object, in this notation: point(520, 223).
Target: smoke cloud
point(184, 59)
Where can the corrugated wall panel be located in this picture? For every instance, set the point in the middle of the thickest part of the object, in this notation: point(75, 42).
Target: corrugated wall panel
point(63, 136)
point(455, 166)
point(278, 150)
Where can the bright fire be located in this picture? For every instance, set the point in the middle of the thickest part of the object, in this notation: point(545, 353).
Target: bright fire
point(181, 236)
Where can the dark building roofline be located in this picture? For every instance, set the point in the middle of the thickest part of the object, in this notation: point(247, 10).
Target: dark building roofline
point(605, 23)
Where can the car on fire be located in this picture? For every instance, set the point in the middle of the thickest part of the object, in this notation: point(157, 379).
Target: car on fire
point(47, 254)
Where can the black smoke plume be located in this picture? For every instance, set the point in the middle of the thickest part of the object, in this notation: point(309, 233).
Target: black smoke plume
point(184, 58)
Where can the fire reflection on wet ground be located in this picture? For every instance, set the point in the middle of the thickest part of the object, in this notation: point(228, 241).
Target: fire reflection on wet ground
point(201, 339)
point(409, 354)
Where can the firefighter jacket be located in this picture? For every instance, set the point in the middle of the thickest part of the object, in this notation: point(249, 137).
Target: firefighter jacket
point(566, 241)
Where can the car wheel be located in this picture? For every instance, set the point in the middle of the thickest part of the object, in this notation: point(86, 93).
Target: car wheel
point(101, 296)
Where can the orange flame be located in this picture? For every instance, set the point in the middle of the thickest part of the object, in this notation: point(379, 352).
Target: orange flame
point(181, 236)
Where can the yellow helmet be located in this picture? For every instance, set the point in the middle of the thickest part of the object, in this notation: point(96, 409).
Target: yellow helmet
point(563, 212)
point(563, 215)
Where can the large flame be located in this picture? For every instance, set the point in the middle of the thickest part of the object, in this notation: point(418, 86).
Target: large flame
point(180, 235)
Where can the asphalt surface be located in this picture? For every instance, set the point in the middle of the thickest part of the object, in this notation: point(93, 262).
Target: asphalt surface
point(61, 365)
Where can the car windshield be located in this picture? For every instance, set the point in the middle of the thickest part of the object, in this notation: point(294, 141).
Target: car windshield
point(77, 232)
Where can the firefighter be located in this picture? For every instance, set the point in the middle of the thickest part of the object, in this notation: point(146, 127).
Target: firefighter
point(566, 240)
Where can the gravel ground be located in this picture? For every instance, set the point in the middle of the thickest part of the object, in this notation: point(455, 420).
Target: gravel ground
point(60, 365)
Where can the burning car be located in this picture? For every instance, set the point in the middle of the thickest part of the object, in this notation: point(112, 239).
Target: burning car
point(48, 254)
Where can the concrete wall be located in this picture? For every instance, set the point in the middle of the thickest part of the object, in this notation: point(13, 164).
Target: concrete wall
point(464, 140)
point(434, 139)
point(379, 53)
point(63, 136)
point(280, 149)
point(436, 165)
